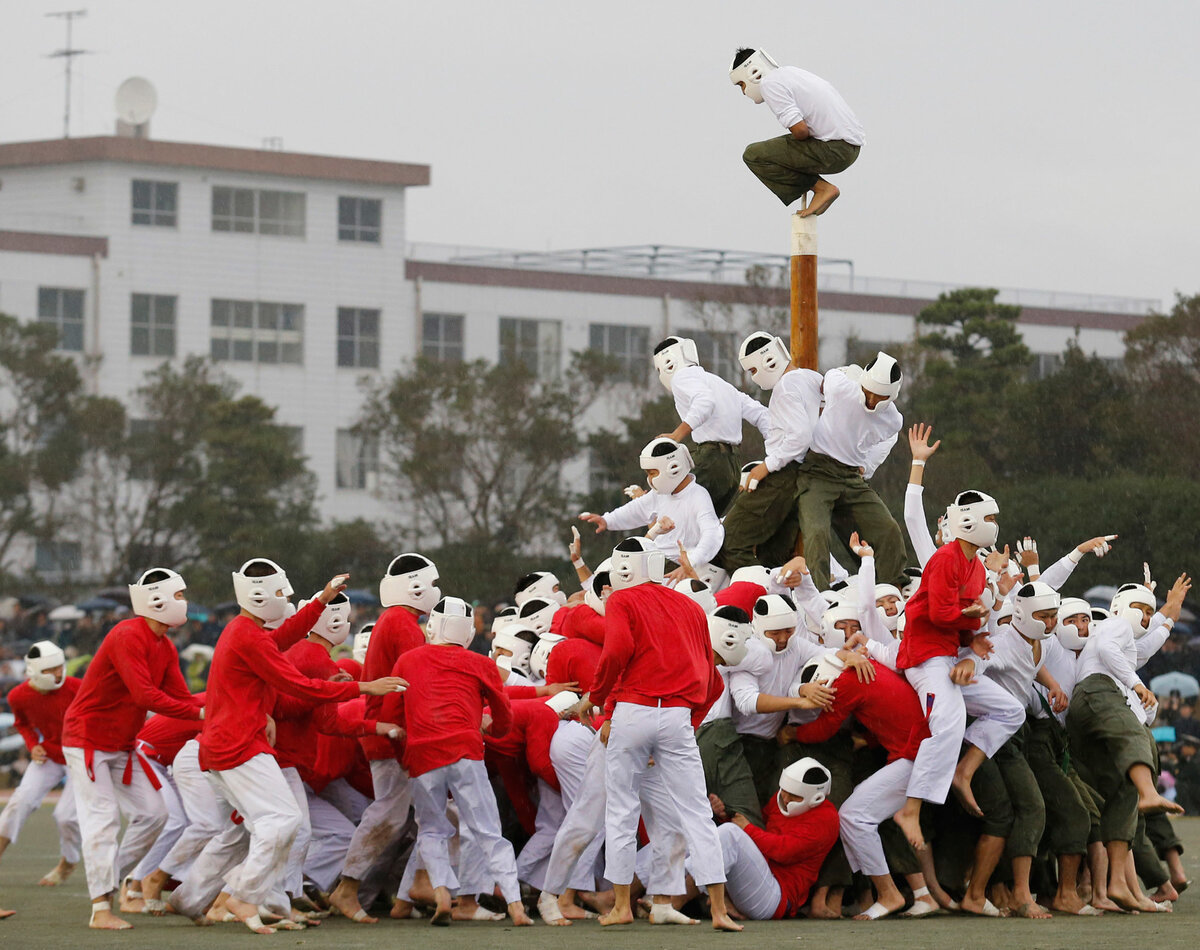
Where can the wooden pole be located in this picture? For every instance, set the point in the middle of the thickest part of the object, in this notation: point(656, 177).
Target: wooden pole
point(804, 291)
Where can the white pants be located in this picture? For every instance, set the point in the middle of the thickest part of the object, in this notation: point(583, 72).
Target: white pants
point(37, 782)
point(532, 861)
point(383, 820)
point(293, 879)
point(101, 800)
point(574, 859)
point(664, 733)
point(205, 820)
point(749, 883)
point(172, 831)
point(874, 800)
point(946, 706)
point(332, 833)
point(467, 781)
point(347, 799)
point(466, 857)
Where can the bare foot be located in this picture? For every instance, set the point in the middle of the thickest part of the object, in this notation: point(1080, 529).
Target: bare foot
point(1119, 894)
point(910, 824)
point(822, 912)
point(1165, 893)
point(1103, 903)
point(727, 923)
point(57, 874)
point(1157, 805)
point(247, 913)
point(401, 910)
point(599, 901)
point(616, 916)
point(823, 195)
point(572, 911)
point(893, 905)
point(1068, 903)
point(6, 913)
point(107, 920)
point(980, 907)
point(516, 910)
point(1031, 910)
point(341, 901)
point(962, 791)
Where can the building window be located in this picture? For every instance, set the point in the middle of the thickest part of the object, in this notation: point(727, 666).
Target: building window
point(154, 202)
point(359, 219)
point(718, 353)
point(442, 337)
point(152, 325)
point(1045, 364)
point(357, 461)
point(629, 346)
point(249, 331)
point(64, 310)
point(251, 210)
point(358, 338)
point(60, 558)
point(536, 343)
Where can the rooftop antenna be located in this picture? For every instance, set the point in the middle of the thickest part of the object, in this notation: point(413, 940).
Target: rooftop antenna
point(68, 53)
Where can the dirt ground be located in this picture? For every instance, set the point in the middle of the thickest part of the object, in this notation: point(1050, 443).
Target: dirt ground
point(57, 917)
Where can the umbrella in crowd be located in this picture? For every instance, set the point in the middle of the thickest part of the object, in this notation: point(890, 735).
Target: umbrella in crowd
point(66, 612)
point(1175, 682)
point(98, 604)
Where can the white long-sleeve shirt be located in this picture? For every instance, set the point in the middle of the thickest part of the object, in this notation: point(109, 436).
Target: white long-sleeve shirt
point(1062, 664)
point(794, 94)
point(882, 645)
point(1112, 650)
point(772, 674)
point(794, 412)
point(1012, 663)
point(696, 523)
point(848, 433)
point(715, 408)
point(914, 522)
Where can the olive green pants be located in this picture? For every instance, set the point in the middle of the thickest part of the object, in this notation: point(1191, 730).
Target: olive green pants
point(1068, 823)
point(718, 469)
point(790, 166)
point(727, 774)
point(761, 525)
point(1025, 796)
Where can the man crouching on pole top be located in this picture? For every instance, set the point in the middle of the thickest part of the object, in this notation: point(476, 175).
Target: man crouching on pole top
point(824, 135)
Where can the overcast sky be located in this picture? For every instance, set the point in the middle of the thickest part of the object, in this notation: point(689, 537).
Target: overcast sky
point(1050, 145)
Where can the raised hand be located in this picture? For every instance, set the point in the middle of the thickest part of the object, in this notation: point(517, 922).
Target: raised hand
point(918, 442)
point(597, 520)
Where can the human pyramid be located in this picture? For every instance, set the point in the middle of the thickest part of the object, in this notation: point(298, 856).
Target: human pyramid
point(743, 733)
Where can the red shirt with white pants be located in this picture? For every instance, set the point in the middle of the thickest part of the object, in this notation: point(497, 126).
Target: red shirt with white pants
point(795, 849)
point(395, 633)
point(38, 717)
point(935, 625)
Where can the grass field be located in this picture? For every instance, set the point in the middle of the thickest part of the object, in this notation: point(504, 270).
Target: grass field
point(57, 917)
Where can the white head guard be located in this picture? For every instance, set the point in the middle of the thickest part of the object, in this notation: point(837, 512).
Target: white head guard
point(265, 597)
point(821, 669)
point(1100, 613)
point(882, 377)
point(671, 355)
point(1069, 634)
point(451, 621)
point(753, 574)
point(593, 588)
point(751, 72)
point(519, 640)
point(890, 590)
point(410, 581)
point(562, 701)
point(966, 518)
point(361, 640)
point(334, 623)
point(505, 616)
point(833, 636)
point(1033, 598)
point(155, 600)
point(43, 656)
point(539, 656)
point(764, 357)
point(670, 459)
point(537, 612)
point(809, 780)
point(699, 592)
point(914, 581)
point(729, 631)
point(541, 584)
point(713, 576)
point(773, 612)
point(636, 561)
point(1123, 606)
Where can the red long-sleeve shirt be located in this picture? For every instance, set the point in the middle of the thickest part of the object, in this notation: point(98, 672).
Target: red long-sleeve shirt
point(887, 708)
point(579, 621)
point(442, 708)
point(523, 753)
point(342, 757)
point(395, 633)
point(573, 661)
point(38, 717)
point(163, 736)
point(656, 647)
point(935, 625)
point(743, 594)
point(248, 666)
point(133, 672)
point(795, 849)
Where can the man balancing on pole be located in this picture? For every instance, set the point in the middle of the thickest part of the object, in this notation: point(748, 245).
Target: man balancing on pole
point(824, 135)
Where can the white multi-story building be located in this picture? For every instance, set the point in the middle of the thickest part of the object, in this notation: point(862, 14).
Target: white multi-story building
point(293, 273)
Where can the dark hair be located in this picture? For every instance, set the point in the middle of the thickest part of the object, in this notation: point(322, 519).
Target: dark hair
point(529, 636)
point(253, 569)
point(741, 56)
point(815, 776)
point(696, 585)
point(631, 544)
point(730, 612)
point(669, 341)
point(533, 605)
point(339, 598)
point(968, 497)
point(758, 340)
point(760, 605)
point(153, 577)
point(663, 448)
point(1027, 590)
point(509, 611)
point(527, 581)
point(407, 563)
point(600, 580)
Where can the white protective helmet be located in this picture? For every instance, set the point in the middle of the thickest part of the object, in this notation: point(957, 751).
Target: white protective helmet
point(670, 459)
point(764, 357)
point(713, 576)
point(882, 377)
point(1030, 599)
point(773, 612)
point(892, 622)
point(361, 640)
point(913, 582)
point(966, 518)
point(671, 355)
point(410, 581)
point(1123, 606)
point(539, 656)
point(636, 561)
point(593, 587)
point(155, 599)
point(1069, 634)
point(1100, 613)
point(562, 701)
point(752, 574)
point(334, 623)
point(519, 640)
point(809, 780)
point(451, 621)
point(505, 616)
point(541, 584)
point(821, 669)
point(266, 597)
point(730, 632)
point(751, 72)
point(832, 636)
point(699, 592)
point(537, 612)
point(43, 656)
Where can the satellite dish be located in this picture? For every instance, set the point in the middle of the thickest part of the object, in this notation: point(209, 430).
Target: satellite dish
point(136, 101)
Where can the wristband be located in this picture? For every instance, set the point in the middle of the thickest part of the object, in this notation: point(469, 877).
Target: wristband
point(1074, 555)
point(1034, 568)
point(919, 462)
point(577, 562)
point(1169, 623)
